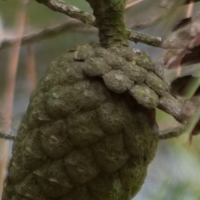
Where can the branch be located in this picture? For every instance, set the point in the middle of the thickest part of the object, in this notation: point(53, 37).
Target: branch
point(144, 38)
point(46, 33)
point(191, 113)
point(6, 136)
point(163, 135)
point(86, 18)
point(168, 134)
point(71, 11)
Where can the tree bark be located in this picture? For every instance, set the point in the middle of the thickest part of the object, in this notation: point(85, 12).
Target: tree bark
point(110, 22)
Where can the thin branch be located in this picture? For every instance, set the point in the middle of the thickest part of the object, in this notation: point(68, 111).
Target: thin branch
point(7, 136)
point(163, 135)
point(165, 10)
point(144, 38)
point(132, 3)
point(172, 133)
point(71, 11)
point(80, 15)
point(190, 114)
point(45, 33)
point(86, 18)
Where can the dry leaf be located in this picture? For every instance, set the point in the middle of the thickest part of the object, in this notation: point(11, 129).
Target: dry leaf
point(183, 44)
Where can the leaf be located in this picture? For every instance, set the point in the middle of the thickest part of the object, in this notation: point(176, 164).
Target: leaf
point(183, 43)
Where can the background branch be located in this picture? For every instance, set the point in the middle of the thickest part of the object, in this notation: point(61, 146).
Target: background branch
point(40, 35)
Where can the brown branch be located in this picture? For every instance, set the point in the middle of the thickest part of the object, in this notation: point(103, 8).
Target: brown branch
point(163, 135)
point(191, 115)
point(86, 18)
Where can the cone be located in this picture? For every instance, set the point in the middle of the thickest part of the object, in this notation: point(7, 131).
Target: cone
point(89, 131)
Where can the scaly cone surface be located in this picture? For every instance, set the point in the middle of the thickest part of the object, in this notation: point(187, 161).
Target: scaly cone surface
point(79, 140)
point(89, 131)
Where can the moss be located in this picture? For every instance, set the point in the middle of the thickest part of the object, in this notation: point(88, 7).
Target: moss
point(81, 140)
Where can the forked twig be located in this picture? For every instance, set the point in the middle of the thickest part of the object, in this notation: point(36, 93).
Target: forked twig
point(85, 17)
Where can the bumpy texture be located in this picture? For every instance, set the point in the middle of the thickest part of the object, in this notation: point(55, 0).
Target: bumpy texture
point(89, 131)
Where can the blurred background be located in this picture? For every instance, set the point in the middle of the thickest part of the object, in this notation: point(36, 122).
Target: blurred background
point(174, 174)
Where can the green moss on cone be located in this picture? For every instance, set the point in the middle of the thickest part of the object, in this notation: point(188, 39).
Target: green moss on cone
point(80, 139)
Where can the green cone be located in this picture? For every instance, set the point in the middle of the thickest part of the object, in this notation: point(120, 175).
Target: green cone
point(89, 131)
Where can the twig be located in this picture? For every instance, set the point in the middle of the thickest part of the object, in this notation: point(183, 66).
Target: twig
point(190, 8)
point(166, 9)
point(163, 135)
point(168, 134)
point(132, 3)
point(69, 25)
point(192, 122)
point(144, 38)
point(44, 34)
point(7, 136)
point(71, 11)
point(86, 18)
point(82, 16)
